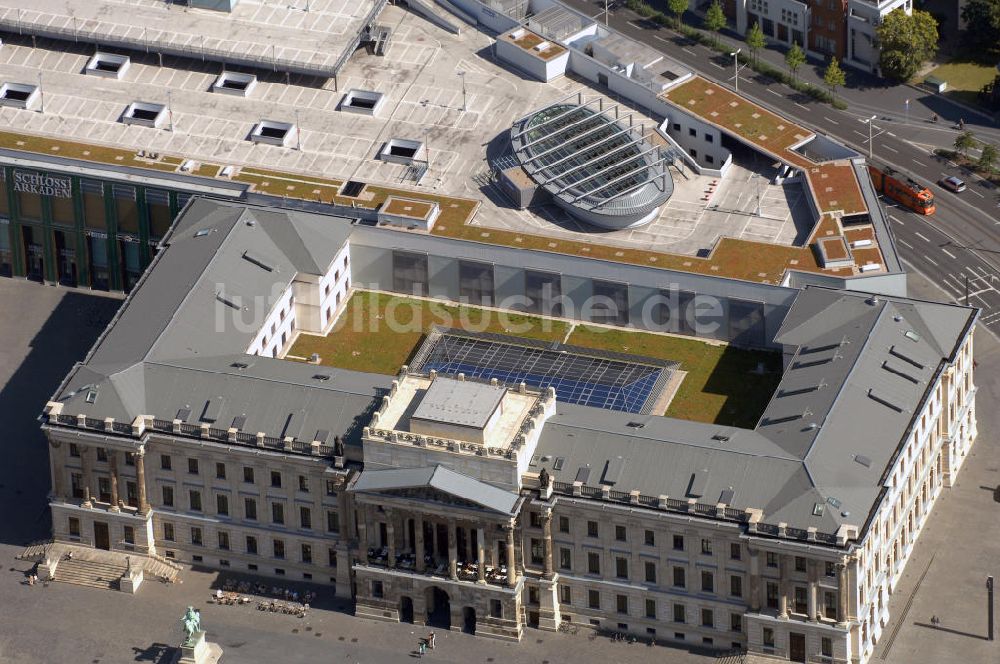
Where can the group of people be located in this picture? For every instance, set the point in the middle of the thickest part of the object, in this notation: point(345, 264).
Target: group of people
point(425, 643)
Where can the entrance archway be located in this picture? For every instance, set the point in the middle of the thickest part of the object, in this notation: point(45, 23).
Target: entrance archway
point(405, 609)
point(438, 608)
point(469, 620)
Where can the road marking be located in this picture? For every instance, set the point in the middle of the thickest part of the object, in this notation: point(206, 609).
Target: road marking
point(777, 94)
point(922, 237)
point(857, 132)
point(930, 260)
point(918, 163)
point(662, 39)
point(891, 149)
point(896, 219)
point(688, 51)
point(800, 105)
point(904, 243)
point(973, 191)
point(891, 134)
point(716, 64)
point(949, 254)
point(829, 120)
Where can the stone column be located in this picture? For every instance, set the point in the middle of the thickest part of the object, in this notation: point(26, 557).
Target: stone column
point(481, 551)
point(811, 595)
point(363, 544)
point(113, 465)
point(783, 586)
point(754, 580)
point(88, 474)
point(547, 542)
point(390, 532)
point(418, 528)
point(511, 566)
point(452, 551)
point(58, 471)
point(842, 593)
point(140, 481)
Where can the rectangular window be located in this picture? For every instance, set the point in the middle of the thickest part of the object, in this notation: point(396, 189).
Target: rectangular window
point(543, 290)
point(800, 599)
point(826, 646)
point(800, 564)
point(196, 537)
point(768, 636)
point(651, 608)
point(193, 466)
point(307, 553)
point(735, 551)
point(565, 595)
point(565, 558)
point(303, 484)
point(93, 204)
point(706, 547)
point(772, 595)
point(126, 208)
point(332, 522)
point(679, 613)
point(594, 599)
point(592, 529)
point(736, 586)
point(610, 303)
point(537, 551)
point(621, 568)
point(707, 582)
point(409, 273)
point(830, 605)
point(74, 450)
point(222, 504)
point(279, 548)
point(650, 538)
point(223, 540)
point(220, 471)
point(679, 580)
point(594, 563)
point(168, 496)
point(158, 208)
point(650, 572)
point(74, 526)
point(251, 545)
point(194, 498)
point(621, 603)
point(277, 513)
point(707, 618)
point(305, 518)
point(678, 542)
point(475, 282)
point(735, 622)
point(772, 559)
point(168, 532)
point(248, 474)
point(563, 524)
point(276, 479)
point(831, 569)
point(535, 519)
point(331, 557)
point(620, 533)
point(496, 608)
point(129, 459)
point(331, 488)
point(746, 322)
point(102, 454)
point(250, 509)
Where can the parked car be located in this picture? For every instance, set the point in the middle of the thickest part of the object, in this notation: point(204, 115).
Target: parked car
point(952, 183)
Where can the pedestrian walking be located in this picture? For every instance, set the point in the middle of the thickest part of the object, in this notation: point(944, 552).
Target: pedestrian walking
point(430, 640)
point(422, 647)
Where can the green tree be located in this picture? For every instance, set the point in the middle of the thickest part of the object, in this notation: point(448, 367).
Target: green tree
point(834, 76)
point(982, 34)
point(715, 19)
point(987, 157)
point(678, 7)
point(795, 58)
point(906, 42)
point(964, 142)
point(755, 40)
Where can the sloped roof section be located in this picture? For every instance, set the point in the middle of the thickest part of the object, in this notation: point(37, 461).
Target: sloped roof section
point(443, 479)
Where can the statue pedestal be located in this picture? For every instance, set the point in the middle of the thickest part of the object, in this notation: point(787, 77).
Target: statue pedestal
point(199, 652)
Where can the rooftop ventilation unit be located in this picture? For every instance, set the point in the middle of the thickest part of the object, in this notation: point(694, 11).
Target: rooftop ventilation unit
point(19, 95)
point(145, 114)
point(229, 302)
point(402, 151)
point(258, 261)
point(362, 102)
point(107, 65)
point(863, 460)
point(896, 353)
point(235, 83)
point(273, 132)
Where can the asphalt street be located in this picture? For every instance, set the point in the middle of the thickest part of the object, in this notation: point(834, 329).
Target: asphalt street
point(961, 240)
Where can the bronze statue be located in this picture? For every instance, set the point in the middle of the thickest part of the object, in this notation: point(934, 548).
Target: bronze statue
point(191, 623)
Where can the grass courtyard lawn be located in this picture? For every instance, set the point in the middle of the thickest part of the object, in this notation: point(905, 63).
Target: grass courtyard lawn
point(965, 79)
point(721, 385)
point(378, 332)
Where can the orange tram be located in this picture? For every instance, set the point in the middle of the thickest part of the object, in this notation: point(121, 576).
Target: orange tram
point(905, 191)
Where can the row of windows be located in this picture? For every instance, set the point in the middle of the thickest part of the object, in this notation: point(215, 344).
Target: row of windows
point(679, 612)
point(249, 474)
point(250, 509)
point(648, 536)
point(251, 542)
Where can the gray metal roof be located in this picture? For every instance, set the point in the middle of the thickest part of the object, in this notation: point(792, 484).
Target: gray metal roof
point(465, 403)
point(860, 372)
point(440, 478)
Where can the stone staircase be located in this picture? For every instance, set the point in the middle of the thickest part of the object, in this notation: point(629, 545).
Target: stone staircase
point(158, 569)
point(90, 573)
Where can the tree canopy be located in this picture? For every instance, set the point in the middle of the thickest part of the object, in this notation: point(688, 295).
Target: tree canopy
point(988, 157)
point(755, 40)
point(906, 42)
point(678, 7)
point(834, 76)
point(715, 19)
point(982, 34)
point(964, 142)
point(795, 58)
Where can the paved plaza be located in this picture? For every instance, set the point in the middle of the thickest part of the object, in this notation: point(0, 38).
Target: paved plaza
point(46, 329)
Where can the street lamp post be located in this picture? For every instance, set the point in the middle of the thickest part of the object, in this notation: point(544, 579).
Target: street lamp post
point(606, 11)
point(871, 141)
point(465, 106)
point(736, 68)
point(170, 111)
point(41, 95)
point(298, 132)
